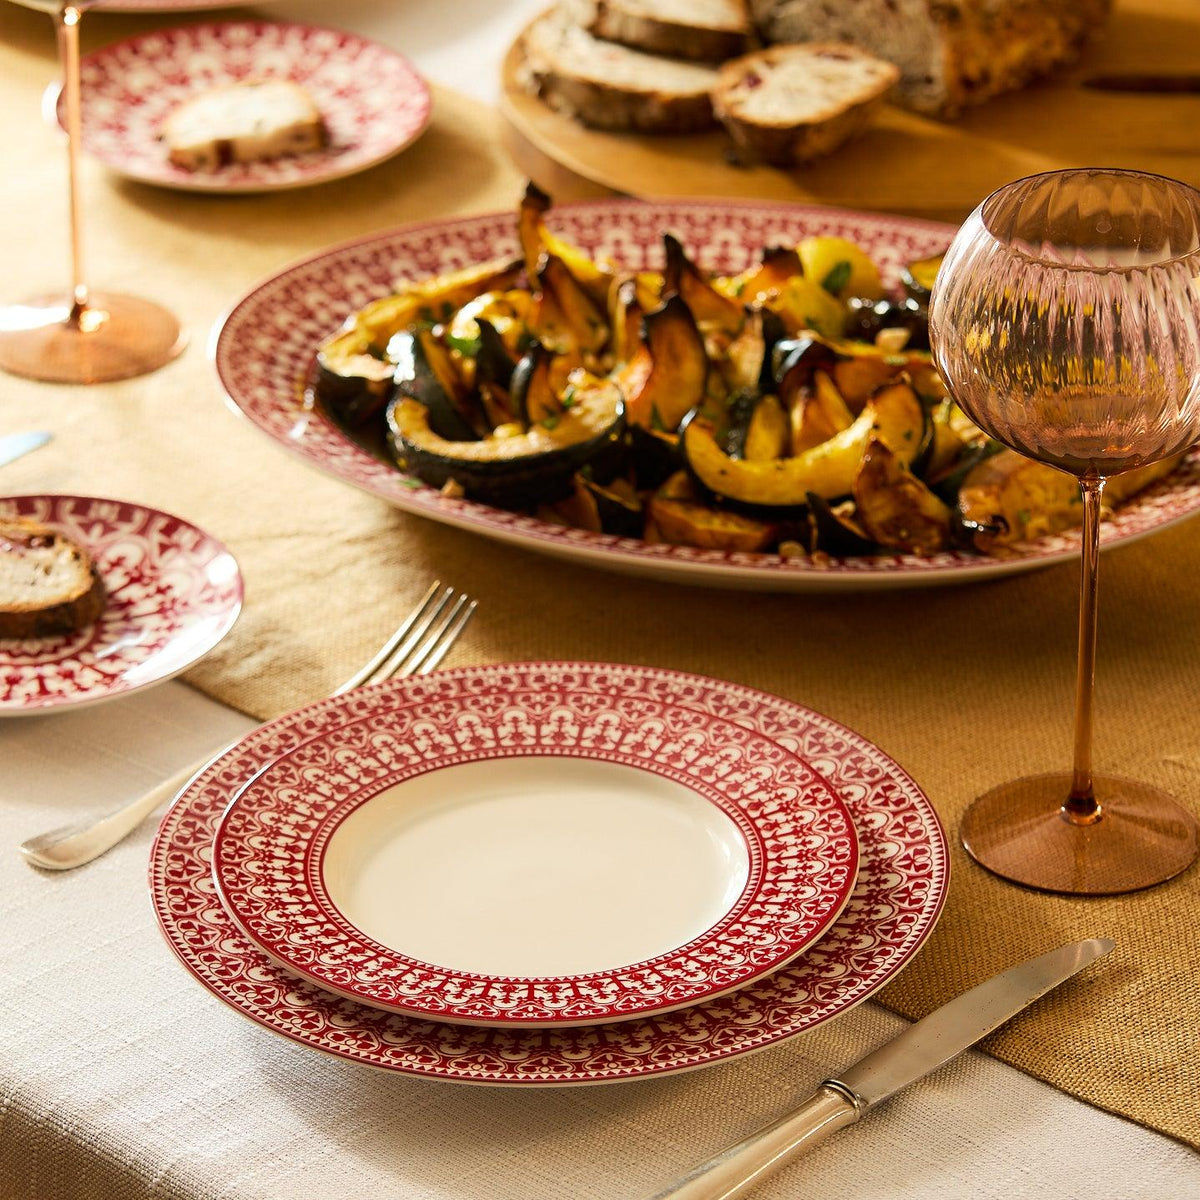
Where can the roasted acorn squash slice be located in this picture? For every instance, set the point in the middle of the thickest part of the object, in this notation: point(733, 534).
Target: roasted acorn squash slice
point(895, 508)
point(894, 415)
point(518, 470)
point(432, 300)
point(682, 278)
point(666, 378)
point(689, 523)
point(426, 373)
point(353, 382)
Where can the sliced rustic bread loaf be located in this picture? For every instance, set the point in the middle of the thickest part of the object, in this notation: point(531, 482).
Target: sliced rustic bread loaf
point(242, 122)
point(951, 53)
point(699, 30)
point(789, 104)
point(48, 584)
point(609, 86)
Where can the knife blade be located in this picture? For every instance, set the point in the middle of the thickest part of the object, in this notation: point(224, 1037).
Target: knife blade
point(13, 445)
point(923, 1047)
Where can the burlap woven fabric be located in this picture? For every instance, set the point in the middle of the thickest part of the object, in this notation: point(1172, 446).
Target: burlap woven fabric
point(965, 686)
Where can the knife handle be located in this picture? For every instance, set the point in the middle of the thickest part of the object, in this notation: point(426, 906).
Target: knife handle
point(738, 1168)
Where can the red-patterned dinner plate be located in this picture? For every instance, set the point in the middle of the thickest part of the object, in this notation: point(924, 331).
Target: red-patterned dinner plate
point(901, 886)
point(266, 346)
point(372, 100)
point(173, 593)
point(531, 849)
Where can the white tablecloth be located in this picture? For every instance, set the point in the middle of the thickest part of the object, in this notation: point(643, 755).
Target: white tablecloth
point(121, 1077)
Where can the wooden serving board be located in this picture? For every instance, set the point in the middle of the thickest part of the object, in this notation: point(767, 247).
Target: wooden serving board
point(907, 163)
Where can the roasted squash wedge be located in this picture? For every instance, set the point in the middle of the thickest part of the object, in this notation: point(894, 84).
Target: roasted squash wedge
point(534, 397)
point(425, 373)
point(691, 523)
point(894, 507)
point(666, 379)
point(765, 279)
point(536, 241)
point(432, 300)
point(565, 316)
point(710, 308)
point(894, 416)
point(353, 382)
point(758, 428)
point(521, 469)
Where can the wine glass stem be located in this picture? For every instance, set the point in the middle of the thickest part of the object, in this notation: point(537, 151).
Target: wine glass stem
point(1081, 806)
point(67, 21)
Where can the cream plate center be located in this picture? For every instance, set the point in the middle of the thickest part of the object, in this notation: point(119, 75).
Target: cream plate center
point(534, 866)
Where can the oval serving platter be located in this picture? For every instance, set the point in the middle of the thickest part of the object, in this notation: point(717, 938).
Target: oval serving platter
point(264, 351)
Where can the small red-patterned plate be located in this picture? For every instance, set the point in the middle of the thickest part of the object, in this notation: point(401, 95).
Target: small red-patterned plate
point(532, 852)
point(902, 880)
point(173, 593)
point(372, 100)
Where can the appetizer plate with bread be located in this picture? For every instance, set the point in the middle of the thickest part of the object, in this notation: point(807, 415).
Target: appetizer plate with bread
point(678, 929)
point(248, 106)
point(716, 393)
point(100, 598)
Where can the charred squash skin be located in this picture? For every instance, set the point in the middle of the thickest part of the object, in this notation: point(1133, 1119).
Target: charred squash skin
point(833, 534)
point(894, 416)
point(666, 379)
point(895, 508)
point(519, 471)
point(533, 395)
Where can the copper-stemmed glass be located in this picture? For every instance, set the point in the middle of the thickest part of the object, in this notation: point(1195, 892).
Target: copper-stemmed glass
point(83, 336)
point(1066, 323)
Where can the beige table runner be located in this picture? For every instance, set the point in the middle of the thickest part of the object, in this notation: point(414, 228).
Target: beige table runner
point(964, 686)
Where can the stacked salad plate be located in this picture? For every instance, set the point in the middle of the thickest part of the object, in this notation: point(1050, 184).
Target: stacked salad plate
point(548, 873)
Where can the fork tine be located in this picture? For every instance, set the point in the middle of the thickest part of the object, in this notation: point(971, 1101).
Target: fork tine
point(410, 667)
point(396, 662)
point(448, 639)
point(385, 652)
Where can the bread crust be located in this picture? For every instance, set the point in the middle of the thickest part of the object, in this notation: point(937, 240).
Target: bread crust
point(696, 43)
point(607, 105)
point(786, 142)
point(35, 619)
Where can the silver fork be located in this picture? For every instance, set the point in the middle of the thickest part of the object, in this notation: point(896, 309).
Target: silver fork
point(415, 648)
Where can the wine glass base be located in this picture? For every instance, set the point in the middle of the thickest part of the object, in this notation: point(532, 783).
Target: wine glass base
point(1143, 837)
point(114, 337)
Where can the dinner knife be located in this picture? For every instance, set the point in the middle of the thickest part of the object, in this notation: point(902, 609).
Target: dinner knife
point(932, 1041)
point(13, 445)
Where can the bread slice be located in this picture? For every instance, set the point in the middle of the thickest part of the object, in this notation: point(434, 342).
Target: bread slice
point(48, 584)
point(243, 122)
point(789, 104)
point(609, 86)
point(698, 30)
point(951, 53)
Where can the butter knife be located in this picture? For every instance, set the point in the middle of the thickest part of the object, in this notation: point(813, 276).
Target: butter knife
point(13, 445)
point(936, 1039)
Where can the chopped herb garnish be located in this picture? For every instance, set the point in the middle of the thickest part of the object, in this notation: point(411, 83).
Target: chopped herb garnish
point(426, 314)
point(908, 435)
point(447, 310)
point(895, 360)
point(838, 277)
point(568, 397)
point(550, 422)
point(656, 421)
point(1023, 516)
point(413, 484)
point(739, 287)
point(468, 347)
